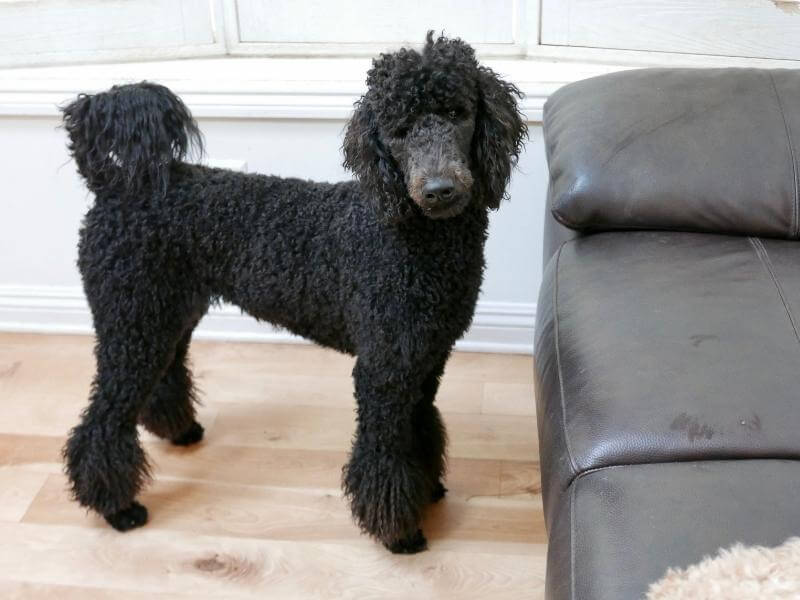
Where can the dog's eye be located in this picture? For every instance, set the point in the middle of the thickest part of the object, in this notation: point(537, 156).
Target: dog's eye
point(452, 114)
point(400, 132)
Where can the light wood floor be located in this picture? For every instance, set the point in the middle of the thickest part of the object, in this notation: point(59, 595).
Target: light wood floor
point(256, 510)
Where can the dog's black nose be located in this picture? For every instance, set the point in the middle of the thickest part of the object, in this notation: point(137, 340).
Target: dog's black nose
point(438, 188)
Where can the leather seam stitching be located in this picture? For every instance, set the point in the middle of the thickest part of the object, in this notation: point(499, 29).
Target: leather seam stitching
point(627, 465)
point(558, 364)
point(763, 256)
point(795, 206)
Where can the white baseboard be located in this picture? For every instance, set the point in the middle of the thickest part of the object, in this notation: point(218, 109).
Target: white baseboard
point(497, 327)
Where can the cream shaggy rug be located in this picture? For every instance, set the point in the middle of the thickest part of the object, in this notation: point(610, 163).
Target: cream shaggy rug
point(740, 573)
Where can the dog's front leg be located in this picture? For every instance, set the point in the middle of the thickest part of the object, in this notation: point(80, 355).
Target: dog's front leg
point(386, 480)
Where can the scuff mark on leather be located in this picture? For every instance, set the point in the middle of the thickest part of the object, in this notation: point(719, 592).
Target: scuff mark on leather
point(629, 139)
point(700, 338)
point(752, 424)
point(692, 426)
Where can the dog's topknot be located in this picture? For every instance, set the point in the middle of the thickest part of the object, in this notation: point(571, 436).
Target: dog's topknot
point(404, 84)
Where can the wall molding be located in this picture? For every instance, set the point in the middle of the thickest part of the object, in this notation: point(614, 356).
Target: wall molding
point(257, 88)
point(505, 327)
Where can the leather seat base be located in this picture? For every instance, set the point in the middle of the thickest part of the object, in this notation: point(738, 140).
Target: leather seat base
point(620, 528)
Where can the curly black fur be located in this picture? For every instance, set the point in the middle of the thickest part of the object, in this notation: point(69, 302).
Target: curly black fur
point(382, 268)
point(125, 140)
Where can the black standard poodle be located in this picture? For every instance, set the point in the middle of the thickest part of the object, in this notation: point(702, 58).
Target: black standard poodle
point(386, 268)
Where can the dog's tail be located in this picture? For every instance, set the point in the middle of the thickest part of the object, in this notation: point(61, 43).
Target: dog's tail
point(126, 139)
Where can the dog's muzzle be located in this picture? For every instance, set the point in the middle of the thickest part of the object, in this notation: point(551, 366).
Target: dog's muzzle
point(442, 198)
point(438, 178)
point(442, 194)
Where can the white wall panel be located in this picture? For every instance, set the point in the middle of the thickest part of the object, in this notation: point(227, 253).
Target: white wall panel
point(374, 21)
point(59, 31)
point(736, 28)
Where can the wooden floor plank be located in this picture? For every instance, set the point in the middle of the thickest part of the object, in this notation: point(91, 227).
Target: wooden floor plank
point(504, 398)
point(20, 590)
point(323, 428)
point(276, 467)
point(262, 373)
point(18, 488)
point(302, 514)
point(216, 566)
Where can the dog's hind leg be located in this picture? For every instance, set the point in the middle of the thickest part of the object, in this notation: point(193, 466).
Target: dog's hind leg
point(136, 343)
point(169, 412)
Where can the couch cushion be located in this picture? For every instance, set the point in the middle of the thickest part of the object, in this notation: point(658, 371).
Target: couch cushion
point(665, 346)
point(621, 528)
point(713, 150)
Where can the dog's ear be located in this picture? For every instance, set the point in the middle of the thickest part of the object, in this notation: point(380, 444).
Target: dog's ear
point(498, 137)
point(370, 161)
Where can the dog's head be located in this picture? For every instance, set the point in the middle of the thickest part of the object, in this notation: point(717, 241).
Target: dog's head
point(434, 132)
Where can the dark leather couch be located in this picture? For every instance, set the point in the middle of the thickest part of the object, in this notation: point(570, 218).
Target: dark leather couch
point(668, 324)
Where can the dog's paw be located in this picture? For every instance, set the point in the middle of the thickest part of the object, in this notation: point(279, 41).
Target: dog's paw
point(438, 492)
point(130, 518)
point(410, 545)
point(387, 494)
point(191, 436)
